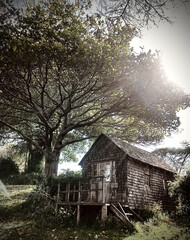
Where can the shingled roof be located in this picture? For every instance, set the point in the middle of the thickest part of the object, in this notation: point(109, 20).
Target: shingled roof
point(136, 153)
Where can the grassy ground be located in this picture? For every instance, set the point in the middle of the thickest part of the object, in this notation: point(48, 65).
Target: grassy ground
point(15, 225)
point(164, 231)
point(18, 194)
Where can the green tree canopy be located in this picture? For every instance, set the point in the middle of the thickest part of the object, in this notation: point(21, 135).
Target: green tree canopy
point(66, 75)
point(178, 158)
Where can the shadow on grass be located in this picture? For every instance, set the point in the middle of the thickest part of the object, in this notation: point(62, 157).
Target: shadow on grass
point(15, 225)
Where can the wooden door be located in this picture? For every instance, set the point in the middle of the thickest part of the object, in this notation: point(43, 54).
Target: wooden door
point(105, 169)
point(102, 178)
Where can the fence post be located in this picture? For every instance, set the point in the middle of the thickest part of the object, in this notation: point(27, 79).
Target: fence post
point(104, 212)
point(78, 214)
point(79, 191)
point(67, 193)
point(103, 191)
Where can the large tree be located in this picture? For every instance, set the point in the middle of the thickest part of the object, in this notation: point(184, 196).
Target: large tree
point(66, 75)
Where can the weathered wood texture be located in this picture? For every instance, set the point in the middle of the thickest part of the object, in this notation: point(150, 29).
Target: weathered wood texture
point(106, 151)
point(81, 190)
point(130, 181)
point(140, 194)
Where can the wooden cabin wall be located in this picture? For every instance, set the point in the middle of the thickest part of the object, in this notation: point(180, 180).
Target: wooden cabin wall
point(103, 151)
point(121, 180)
point(140, 194)
point(128, 184)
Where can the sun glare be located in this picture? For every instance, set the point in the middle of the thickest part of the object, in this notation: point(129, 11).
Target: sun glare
point(176, 71)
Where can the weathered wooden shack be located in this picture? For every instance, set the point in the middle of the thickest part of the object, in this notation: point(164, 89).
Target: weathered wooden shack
point(115, 172)
point(132, 175)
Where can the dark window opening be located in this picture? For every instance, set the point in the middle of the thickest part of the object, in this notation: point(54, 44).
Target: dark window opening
point(147, 180)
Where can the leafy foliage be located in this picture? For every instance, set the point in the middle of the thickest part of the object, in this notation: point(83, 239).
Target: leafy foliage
point(26, 179)
point(40, 207)
point(179, 189)
point(16, 151)
point(8, 167)
point(25, 156)
point(68, 175)
point(178, 158)
point(66, 75)
point(15, 225)
point(73, 152)
point(161, 231)
point(158, 226)
point(8, 12)
point(154, 213)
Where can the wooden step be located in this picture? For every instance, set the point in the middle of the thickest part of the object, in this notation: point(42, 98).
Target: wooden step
point(121, 215)
point(131, 212)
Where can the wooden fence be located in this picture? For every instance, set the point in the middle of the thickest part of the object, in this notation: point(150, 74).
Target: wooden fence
point(84, 190)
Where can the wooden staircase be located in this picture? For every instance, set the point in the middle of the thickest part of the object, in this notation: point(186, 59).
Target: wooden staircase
point(123, 215)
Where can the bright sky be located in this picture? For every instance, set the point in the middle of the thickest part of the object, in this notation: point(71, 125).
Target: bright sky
point(174, 43)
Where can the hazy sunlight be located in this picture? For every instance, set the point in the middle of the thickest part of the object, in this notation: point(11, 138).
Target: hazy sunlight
point(176, 70)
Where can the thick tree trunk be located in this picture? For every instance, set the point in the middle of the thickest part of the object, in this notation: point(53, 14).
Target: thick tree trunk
point(35, 161)
point(51, 163)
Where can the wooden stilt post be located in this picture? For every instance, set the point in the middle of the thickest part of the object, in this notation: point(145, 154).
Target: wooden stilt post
point(57, 202)
point(79, 191)
point(104, 212)
point(78, 214)
point(56, 209)
point(103, 191)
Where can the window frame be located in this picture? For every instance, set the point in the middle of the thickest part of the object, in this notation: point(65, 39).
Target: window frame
point(97, 169)
point(165, 184)
point(147, 179)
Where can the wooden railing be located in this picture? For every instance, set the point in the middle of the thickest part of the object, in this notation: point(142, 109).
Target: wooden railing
point(89, 190)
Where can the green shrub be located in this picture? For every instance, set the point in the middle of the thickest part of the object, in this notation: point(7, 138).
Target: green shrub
point(155, 217)
point(154, 213)
point(8, 167)
point(180, 190)
point(162, 231)
point(26, 179)
point(52, 182)
point(40, 207)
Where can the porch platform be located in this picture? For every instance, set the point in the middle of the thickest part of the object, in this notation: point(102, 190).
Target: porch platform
point(82, 203)
point(91, 195)
point(103, 208)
